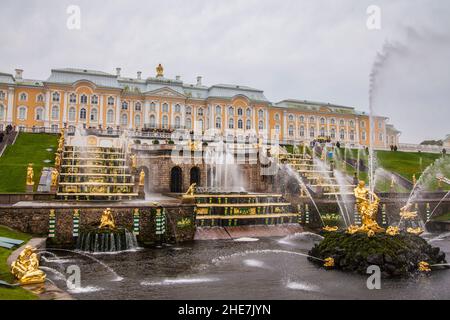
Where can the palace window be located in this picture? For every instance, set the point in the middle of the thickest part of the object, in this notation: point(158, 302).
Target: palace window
point(322, 132)
point(342, 134)
point(110, 101)
point(322, 120)
point(248, 125)
point(94, 114)
point(333, 133)
point(83, 114)
point(137, 120)
point(72, 113)
point(165, 122)
point(177, 108)
point(152, 121)
point(137, 106)
point(2, 112)
point(218, 109)
point(261, 125)
point(200, 124)
point(177, 122)
point(110, 116)
point(240, 124)
point(83, 99)
point(277, 117)
point(56, 97)
point(54, 128)
point(124, 105)
point(165, 107)
point(302, 119)
point(200, 112)
point(218, 122)
point(341, 123)
point(94, 99)
point(231, 123)
point(363, 124)
point(2, 95)
point(23, 97)
point(55, 113)
point(291, 117)
point(311, 119)
point(302, 131)
point(40, 98)
point(333, 121)
point(123, 119)
point(312, 133)
point(363, 135)
point(249, 112)
point(352, 123)
point(239, 112)
point(380, 137)
point(73, 98)
point(188, 110)
point(352, 135)
point(291, 131)
point(379, 124)
point(277, 128)
point(260, 113)
point(230, 111)
point(22, 113)
point(188, 123)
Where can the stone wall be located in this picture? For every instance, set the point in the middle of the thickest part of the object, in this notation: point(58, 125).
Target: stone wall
point(36, 221)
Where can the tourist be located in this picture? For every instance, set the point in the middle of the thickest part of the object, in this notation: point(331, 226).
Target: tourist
point(444, 151)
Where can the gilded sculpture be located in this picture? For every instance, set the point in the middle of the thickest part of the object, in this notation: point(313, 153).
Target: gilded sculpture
point(159, 71)
point(191, 191)
point(367, 203)
point(55, 175)
point(142, 178)
point(107, 220)
point(30, 175)
point(133, 161)
point(26, 267)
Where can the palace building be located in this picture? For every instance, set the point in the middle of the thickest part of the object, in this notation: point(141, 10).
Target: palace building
point(104, 101)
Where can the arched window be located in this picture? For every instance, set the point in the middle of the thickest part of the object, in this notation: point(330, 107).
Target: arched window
point(165, 107)
point(123, 119)
point(363, 124)
point(110, 101)
point(352, 123)
point(2, 95)
point(94, 114)
point(333, 133)
point(322, 132)
point(40, 98)
point(291, 117)
point(2, 112)
point(94, 99)
point(188, 123)
point(342, 134)
point(55, 113)
point(277, 128)
point(23, 97)
point(83, 99)
point(248, 125)
point(177, 122)
point(188, 110)
point(137, 120)
point(231, 123)
point(230, 111)
point(291, 131)
point(177, 108)
point(352, 135)
point(152, 121)
point(239, 112)
point(200, 124)
point(200, 112)
point(322, 120)
point(218, 122)
point(73, 98)
point(302, 131)
point(110, 116)
point(302, 119)
point(260, 113)
point(83, 114)
point(311, 119)
point(277, 117)
point(218, 109)
point(261, 125)
point(22, 115)
point(165, 122)
point(312, 132)
point(341, 122)
point(56, 97)
point(137, 106)
point(72, 113)
point(240, 124)
point(249, 112)
point(363, 135)
point(124, 105)
point(333, 121)
point(380, 137)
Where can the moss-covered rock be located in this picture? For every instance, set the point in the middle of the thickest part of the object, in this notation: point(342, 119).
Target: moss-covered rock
point(397, 256)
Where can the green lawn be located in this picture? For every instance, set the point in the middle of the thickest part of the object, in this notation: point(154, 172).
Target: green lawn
point(444, 217)
point(29, 148)
point(16, 293)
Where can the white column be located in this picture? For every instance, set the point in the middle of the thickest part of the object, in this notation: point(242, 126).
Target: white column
point(285, 135)
point(183, 115)
point(146, 112)
point(172, 114)
point(117, 110)
point(64, 110)
point(47, 109)
point(100, 112)
point(10, 111)
point(131, 120)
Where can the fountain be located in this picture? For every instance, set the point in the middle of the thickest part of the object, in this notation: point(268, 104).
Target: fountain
point(106, 237)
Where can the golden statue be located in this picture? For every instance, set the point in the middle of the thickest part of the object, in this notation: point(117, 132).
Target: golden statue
point(30, 175)
point(424, 266)
point(392, 231)
point(367, 208)
point(26, 267)
point(142, 178)
point(55, 175)
point(133, 161)
point(107, 220)
point(328, 262)
point(159, 71)
point(414, 180)
point(191, 190)
point(330, 229)
point(415, 231)
point(406, 214)
point(57, 160)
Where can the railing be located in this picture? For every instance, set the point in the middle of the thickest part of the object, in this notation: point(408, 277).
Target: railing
point(418, 147)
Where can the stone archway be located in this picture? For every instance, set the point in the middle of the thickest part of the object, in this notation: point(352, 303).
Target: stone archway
point(176, 180)
point(195, 176)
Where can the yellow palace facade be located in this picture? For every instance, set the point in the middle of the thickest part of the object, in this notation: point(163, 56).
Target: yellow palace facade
point(72, 98)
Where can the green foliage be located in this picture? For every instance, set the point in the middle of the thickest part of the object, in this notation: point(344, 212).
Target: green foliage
point(29, 148)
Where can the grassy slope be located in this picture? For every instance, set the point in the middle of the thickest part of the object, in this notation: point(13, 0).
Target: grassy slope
point(5, 275)
point(29, 148)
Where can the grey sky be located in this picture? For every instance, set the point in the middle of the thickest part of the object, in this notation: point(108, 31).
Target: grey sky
point(314, 50)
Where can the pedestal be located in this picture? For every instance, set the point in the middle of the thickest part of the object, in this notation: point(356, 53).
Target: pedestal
point(141, 192)
point(29, 188)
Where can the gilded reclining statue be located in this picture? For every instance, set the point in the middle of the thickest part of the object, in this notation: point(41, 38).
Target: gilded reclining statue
point(26, 267)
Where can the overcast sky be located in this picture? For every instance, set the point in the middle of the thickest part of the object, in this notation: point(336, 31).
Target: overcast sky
point(318, 50)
